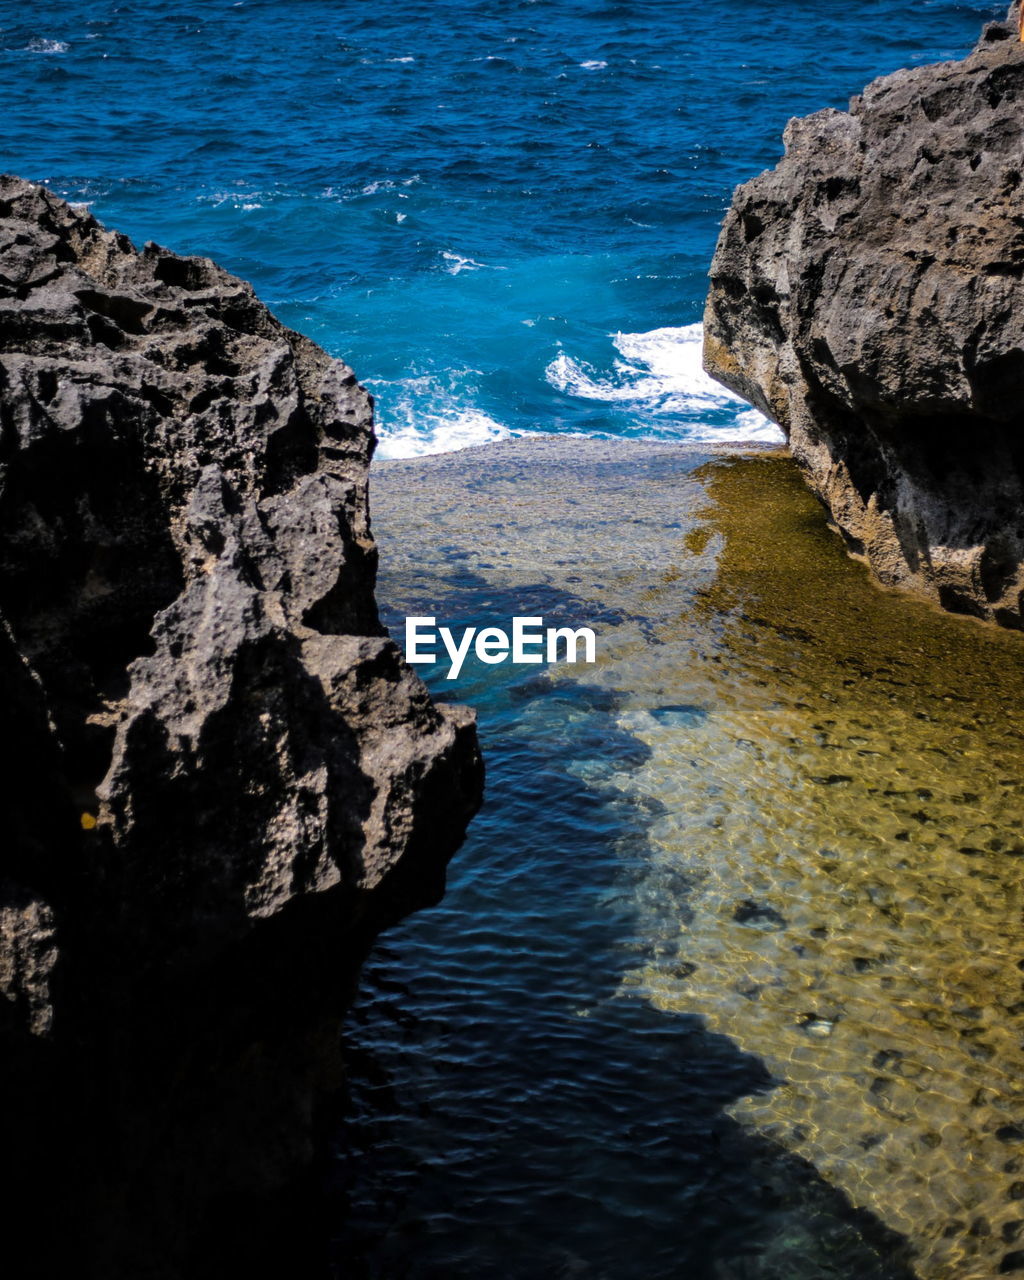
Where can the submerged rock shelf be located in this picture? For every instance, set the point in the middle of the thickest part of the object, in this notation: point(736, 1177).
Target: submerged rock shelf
point(853, 858)
point(826, 857)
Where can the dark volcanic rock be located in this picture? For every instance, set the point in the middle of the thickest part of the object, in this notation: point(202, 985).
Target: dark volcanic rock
point(868, 294)
point(225, 780)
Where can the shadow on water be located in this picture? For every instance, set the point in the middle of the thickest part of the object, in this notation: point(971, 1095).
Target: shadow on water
point(513, 1108)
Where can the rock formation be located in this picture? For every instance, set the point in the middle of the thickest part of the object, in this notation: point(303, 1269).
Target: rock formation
point(224, 780)
point(868, 295)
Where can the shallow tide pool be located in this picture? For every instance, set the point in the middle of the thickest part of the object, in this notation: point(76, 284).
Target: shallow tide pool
point(726, 980)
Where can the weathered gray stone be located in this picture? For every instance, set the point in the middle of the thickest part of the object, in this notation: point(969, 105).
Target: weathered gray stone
point(868, 295)
point(225, 778)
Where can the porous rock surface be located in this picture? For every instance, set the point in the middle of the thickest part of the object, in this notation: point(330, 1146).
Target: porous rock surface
point(868, 295)
point(224, 778)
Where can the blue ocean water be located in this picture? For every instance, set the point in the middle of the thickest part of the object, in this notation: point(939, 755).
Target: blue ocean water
point(500, 212)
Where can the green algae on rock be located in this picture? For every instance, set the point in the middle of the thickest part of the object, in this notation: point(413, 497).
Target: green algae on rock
point(852, 912)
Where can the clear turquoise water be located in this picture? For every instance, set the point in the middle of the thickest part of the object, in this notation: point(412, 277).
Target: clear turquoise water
point(514, 1114)
point(469, 201)
point(517, 1105)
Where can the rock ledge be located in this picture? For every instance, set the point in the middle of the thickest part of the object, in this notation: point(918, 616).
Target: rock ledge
point(226, 779)
point(868, 295)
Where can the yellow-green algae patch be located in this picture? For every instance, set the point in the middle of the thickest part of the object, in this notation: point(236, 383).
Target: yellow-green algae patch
point(843, 813)
point(835, 842)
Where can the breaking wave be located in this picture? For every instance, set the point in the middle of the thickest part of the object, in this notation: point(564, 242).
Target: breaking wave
point(658, 380)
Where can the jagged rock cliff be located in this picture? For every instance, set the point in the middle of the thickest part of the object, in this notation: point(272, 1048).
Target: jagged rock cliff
point(224, 779)
point(868, 295)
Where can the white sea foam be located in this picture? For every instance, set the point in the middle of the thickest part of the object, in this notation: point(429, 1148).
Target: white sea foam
point(594, 64)
point(422, 415)
point(386, 184)
point(659, 375)
point(456, 263)
point(460, 432)
point(47, 46)
point(656, 384)
point(244, 200)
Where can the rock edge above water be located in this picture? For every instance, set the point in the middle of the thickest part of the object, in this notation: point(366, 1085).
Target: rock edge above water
point(225, 779)
point(868, 295)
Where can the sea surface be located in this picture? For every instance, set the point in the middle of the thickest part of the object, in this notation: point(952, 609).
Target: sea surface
point(500, 212)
